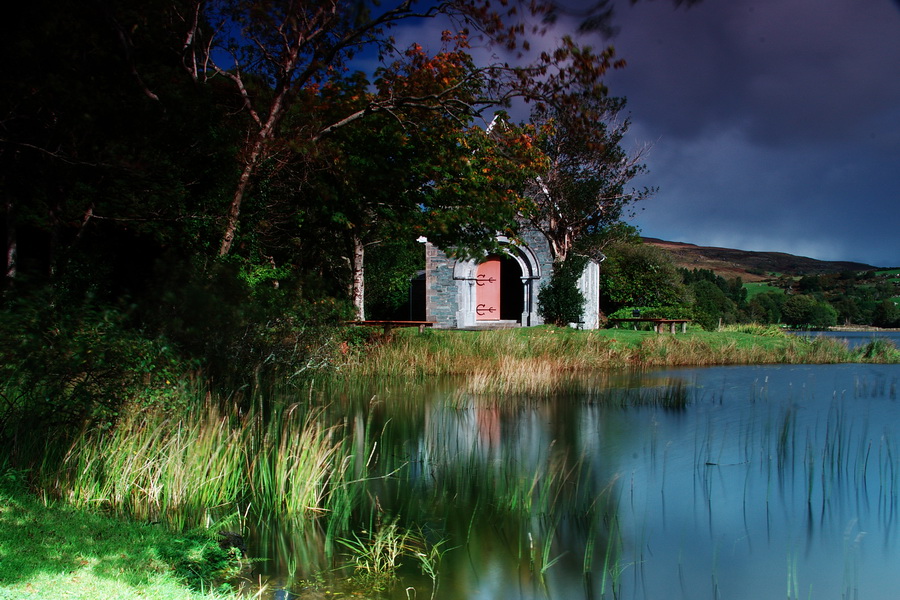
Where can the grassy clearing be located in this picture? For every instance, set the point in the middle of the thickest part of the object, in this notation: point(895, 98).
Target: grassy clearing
point(58, 552)
point(756, 288)
point(534, 354)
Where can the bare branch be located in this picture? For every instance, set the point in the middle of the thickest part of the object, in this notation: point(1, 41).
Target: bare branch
point(127, 46)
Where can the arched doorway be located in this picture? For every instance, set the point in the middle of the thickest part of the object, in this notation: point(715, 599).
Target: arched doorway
point(499, 291)
point(454, 302)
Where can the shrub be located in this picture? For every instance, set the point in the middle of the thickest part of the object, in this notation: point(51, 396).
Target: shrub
point(886, 314)
point(62, 366)
point(559, 301)
point(243, 332)
point(654, 312)
point(639, 275)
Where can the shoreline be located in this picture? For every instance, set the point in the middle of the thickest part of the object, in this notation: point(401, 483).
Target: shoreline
point(516, 354)
point(862, 329)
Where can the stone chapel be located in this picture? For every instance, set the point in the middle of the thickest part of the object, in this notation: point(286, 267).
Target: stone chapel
point(500, 290)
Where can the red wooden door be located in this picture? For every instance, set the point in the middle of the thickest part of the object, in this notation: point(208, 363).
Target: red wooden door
point(487, 291)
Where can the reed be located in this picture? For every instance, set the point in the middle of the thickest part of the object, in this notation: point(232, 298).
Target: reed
point(516, 376)
point(492, 357)
point(190, 469)
point(378, 555)
point(879, 350)
point(754, 329)
point(289, 462)
point(429, 556)
point(457, 352)
point(156, 468)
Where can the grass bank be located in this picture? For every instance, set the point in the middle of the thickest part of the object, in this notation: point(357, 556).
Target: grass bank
point(537, 350)
point(55, 551)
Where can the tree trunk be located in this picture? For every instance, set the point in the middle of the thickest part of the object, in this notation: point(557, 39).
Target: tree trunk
point(12, 249)
point(53, 239)
point(234, 211)
point(560, 244)
point(357, 277)
point(255, 154)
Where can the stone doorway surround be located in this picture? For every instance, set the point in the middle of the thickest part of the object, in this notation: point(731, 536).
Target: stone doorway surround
point(450, 285)
point(465, 274)
point(451, 290)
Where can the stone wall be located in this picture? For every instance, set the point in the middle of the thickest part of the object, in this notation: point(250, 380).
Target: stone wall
point(441, 304)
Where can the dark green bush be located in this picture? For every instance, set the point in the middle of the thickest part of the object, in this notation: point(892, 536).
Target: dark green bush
point(559, 301)
point(806, 311)
point(654, 312)
point(63, 366)
point(886, 314)
point(245, 331)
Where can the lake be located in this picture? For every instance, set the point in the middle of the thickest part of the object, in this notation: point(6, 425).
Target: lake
point(726, 482)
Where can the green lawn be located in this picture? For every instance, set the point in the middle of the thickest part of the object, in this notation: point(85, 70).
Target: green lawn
point(57, 552)
point(754, 289)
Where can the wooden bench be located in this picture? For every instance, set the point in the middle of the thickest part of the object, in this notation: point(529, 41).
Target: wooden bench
point(659, 325)
point(389, 325)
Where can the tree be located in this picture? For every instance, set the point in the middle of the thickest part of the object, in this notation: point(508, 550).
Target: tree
point(766, 307)
point(712, 305)
point(717, 299)
point(560, 302)
point(107, 152)
point(639, 275)
point(280, 52)
point(847, 308)
point(583, 190)
point(390, 270)
point(799, 310)
point(397, 180)
point(886, 314)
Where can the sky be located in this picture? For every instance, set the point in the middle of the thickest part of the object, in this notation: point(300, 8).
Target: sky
point(773, 125)
point(770, 125)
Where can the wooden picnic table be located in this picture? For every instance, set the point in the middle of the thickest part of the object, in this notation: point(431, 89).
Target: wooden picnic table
point(658, 324)
point(389, 325)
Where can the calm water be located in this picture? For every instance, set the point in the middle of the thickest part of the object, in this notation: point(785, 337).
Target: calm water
point(773, 482)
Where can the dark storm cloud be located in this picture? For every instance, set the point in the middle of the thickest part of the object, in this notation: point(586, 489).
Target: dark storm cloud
point(775, 124)
point(774, 68)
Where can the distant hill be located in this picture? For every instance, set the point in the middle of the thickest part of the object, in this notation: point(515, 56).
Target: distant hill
point(751, 266)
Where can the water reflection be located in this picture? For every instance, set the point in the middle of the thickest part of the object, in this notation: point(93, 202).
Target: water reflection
point(771, 481)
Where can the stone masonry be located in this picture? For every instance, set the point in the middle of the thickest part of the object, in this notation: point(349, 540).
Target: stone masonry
point(450, 284)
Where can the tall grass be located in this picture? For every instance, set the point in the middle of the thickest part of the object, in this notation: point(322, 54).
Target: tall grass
point(495, 357)
point(520, 386)
point(199, 465)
